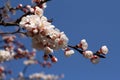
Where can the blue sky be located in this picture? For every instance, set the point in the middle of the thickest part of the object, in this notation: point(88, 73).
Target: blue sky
point(97, 21)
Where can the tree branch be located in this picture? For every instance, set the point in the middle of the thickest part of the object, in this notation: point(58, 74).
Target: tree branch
point(75, 47)
point(8, 23)
point(18, 20)
point(80, 51)
point(17, 31)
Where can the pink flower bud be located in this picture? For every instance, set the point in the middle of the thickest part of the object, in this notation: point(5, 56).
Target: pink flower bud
point(24, 10)
point(1, 69)
point(95, 59)
point(45, 57)
point(54, 59)
point(28, 6)
point(19, 6)
point(31, 10)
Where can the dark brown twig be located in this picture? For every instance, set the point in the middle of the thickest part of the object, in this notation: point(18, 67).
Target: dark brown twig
point(8, 23)
point(75, 47)
point(15, 32)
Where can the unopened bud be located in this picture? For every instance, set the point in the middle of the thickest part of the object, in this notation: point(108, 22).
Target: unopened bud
point(68, 53)
point(45, 57)
point(83, 44)
point(19, 6)
point(95, 59)
point(54, 59)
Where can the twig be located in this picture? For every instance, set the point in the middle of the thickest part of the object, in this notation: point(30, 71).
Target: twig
point(17, 31)
point(8, 23)
point(18, 20)
point(25, 68)
point(75, 47)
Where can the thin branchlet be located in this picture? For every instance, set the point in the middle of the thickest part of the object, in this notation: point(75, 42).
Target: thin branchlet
point(15, 32)
point(81, 51)
point(44, 1)
point(6, 24)
point(75, 47)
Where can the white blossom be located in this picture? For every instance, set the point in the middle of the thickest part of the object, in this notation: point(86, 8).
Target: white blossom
point(84, 44)
point(42, 32)
point(44, 5)
point(29, 62)
point(38, 11)
point(32, 10)
point(35, 31)
point(28, 6)
point(88, 54)
point(69, 53)
point(50, 36)
point(37, 76)
point(104, 49)
point(30, 21)
point(21, 75)
point(44, 76)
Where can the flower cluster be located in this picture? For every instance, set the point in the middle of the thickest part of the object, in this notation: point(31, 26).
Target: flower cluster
point(13, 49)
point(42, 32)
point(44, 35)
